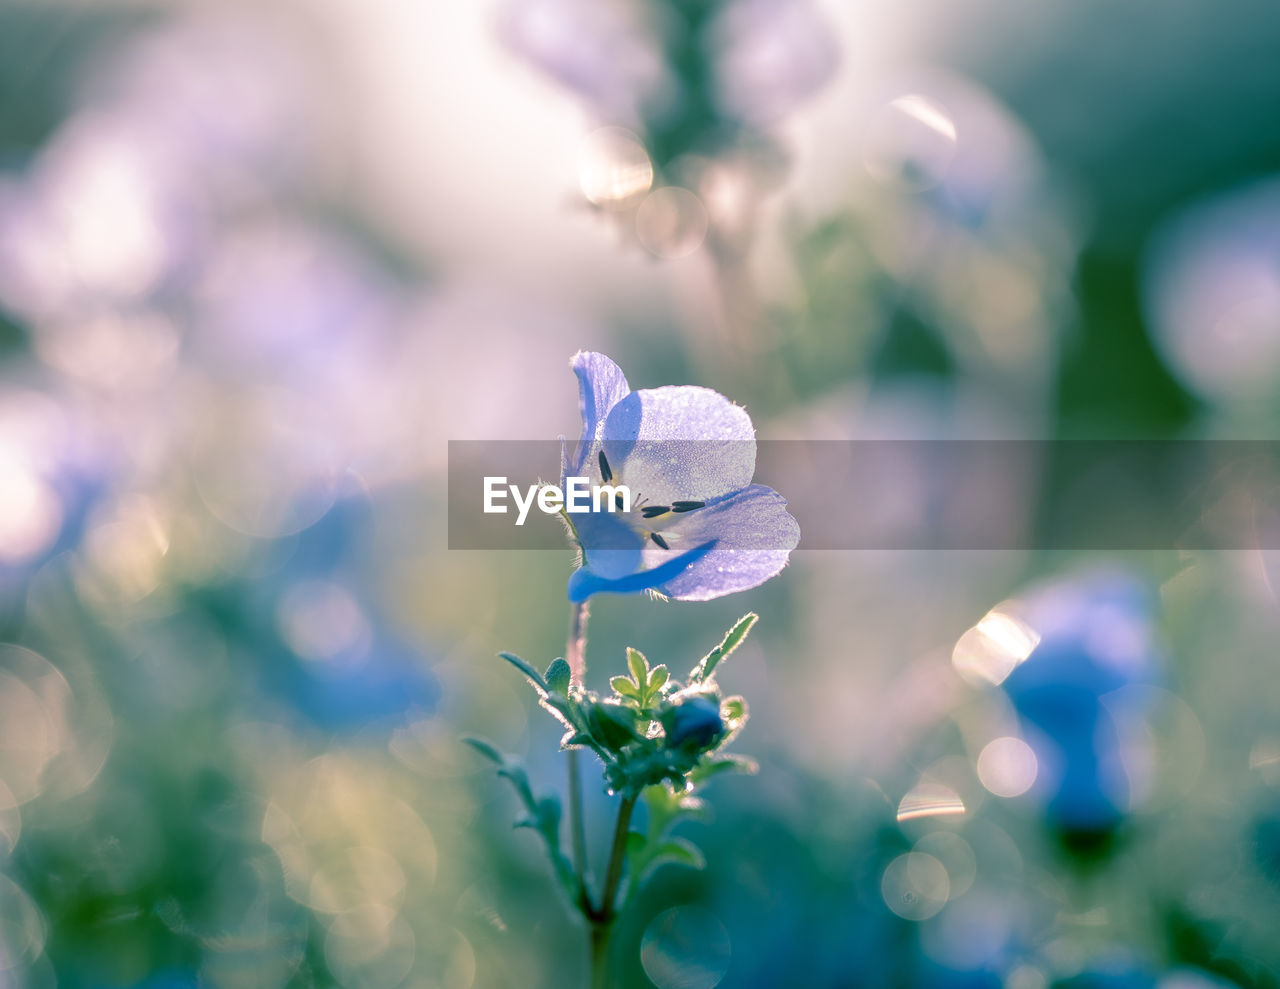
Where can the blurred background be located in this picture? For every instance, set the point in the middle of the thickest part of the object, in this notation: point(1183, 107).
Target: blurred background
point(260, 262)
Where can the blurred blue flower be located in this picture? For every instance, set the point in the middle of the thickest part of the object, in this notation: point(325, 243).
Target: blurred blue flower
point(698, 528)
point(1095, 638)
point(340, 663)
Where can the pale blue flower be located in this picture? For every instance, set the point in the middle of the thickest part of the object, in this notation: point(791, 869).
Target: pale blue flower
point(698, 528)
point(1096, 639)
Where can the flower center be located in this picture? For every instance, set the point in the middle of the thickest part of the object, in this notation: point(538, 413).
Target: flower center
point(649, 512)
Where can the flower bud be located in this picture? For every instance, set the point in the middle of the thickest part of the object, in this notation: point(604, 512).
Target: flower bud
point(694, 723)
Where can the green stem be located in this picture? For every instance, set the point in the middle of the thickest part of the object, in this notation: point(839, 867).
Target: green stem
point(575, 654)
point(617, 855)
point(600, 935)
point(602, 920)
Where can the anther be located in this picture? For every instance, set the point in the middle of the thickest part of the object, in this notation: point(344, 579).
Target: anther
point(687, 506)
point(659, 540)
point(605, 472)
point(653, 511)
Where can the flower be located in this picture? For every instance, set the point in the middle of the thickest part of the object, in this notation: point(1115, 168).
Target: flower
point(697, 527)
point(1075, 698)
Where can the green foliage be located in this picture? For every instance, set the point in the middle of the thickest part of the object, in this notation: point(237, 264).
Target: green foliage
point(658, 740)
point(558, 677)
point(540, 814)
point(732, 639)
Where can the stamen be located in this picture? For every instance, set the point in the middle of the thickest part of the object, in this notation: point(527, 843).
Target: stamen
point(653, 511)
point(687, 506)
point(619, 502)
point(659, 540)
point(605, 472)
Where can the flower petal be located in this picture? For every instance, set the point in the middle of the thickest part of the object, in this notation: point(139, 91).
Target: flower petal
point(610, 547)
point(601, 385)
point(584, 582)
point(754, 535)
point(680, 443)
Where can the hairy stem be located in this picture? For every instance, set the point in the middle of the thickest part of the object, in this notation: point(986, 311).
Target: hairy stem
point(575, 654)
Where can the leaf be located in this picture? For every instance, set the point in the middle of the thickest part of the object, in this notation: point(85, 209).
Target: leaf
point(558, 677)
point(734, 709)
point(520, 780)
point(487, 750)
point(639, 666)
point(658, 676)
point(613, 725)
point(534, 676)
point(624, 686)
point(564, 709)
point(675, 851)
point(733, 638)
point(725, 764)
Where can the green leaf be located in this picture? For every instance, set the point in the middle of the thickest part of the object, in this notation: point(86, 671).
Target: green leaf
point(733, 638)
point(639, 666)
point(549, 818)
point(676, 851)
point(565, 710)
point(734, 709)
point(613, 725)
point(636, 842)
point(520, 780)
point(658, 676)
point(624, 686)
point(558, 677)
point(534, 676)
point(486, 750)
point(725, 764)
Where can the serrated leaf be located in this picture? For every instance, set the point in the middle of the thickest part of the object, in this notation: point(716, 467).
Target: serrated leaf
point(638, 665)
point(732, 639)
point(624, 686)
point(487, 750)
point(534, 676)
point(558, 677)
